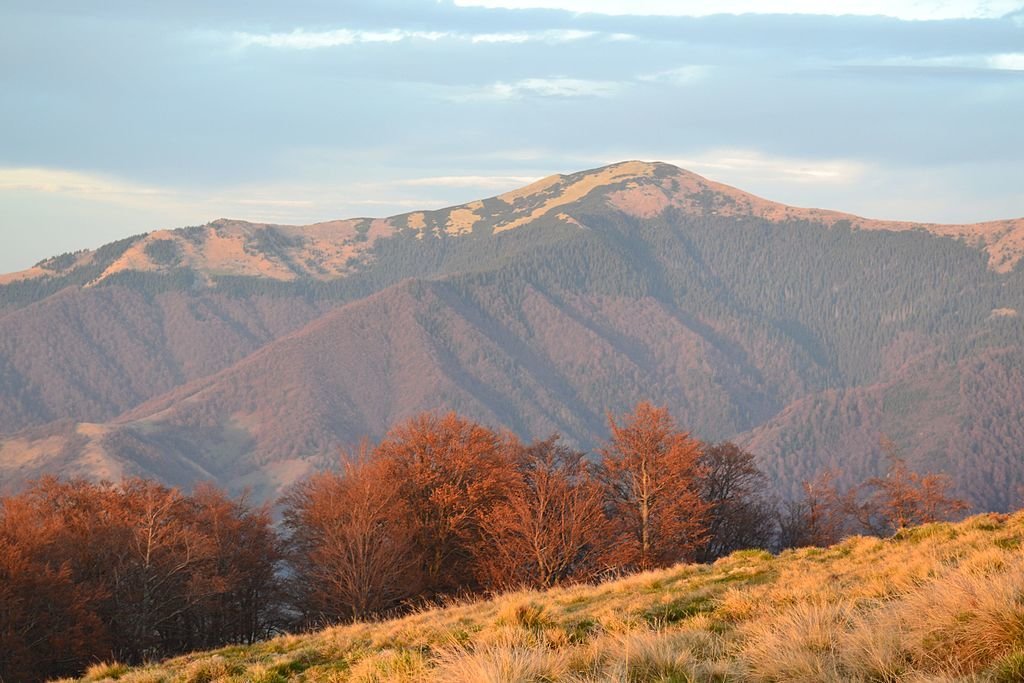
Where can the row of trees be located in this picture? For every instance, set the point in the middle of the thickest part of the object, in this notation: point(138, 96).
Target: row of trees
point(880, 506)
point(445, 505)
point(442, 506)
point(93, 571)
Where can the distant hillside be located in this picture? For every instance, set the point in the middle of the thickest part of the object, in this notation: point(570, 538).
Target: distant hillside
point(938, 602)
point(250, 353)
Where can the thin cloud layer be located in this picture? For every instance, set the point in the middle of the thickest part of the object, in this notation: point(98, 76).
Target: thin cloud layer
point(301, 39)
point(552, 87)
point(751, 165)
point(910, 10)
point(680, 75)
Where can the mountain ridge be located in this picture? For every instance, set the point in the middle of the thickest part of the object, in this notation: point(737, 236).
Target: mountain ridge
point(537, 310)
point(334, 248)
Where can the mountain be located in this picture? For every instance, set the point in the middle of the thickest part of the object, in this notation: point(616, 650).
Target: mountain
point(251, 353)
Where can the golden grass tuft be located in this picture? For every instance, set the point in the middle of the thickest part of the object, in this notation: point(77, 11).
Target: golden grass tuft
point(527, 614)
point(210, 669)
point(797, 643)
point(390, 665)
point(491, 663)
point(967, 619)
point(106, 671)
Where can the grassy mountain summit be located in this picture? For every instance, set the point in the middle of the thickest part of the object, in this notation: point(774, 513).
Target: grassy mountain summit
point(940, 602)
point(339, 248)
point(250, 354)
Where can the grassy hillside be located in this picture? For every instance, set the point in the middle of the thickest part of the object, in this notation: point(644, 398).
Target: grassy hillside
point(940, 602)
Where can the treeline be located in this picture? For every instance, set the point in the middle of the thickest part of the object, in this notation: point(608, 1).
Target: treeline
point(132, 572)
point(20, 293)
point(442, 507)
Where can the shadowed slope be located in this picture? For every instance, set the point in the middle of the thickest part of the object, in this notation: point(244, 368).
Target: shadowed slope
point(91, 354)
point(965, 418)
point(537, 310)
point(543, 363)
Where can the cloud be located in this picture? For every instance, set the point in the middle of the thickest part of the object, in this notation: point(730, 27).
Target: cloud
point(286, 203)
point(683, 75)
point(552, 36)
point(301, 39)
point(1010, 61)
point(1005, 61)
point(909, 10)
point(745, 165)
point(274, 202)
point(483, 181)
point(80, 185)
point(565, 87)
point(544, 87)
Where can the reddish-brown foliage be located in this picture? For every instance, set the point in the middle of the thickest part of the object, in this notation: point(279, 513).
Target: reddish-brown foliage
point(549, 525)
point(46, 626)
point(242, 591)
point(878, 506)
point(351, 543)
point(902, 498)
point(650, 472)
point(450, 472)
point(138, 571)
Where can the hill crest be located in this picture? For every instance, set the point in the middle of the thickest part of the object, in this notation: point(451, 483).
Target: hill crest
point(338, 248)
point(935, 602)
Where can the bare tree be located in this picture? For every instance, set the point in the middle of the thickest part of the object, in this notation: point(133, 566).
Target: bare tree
point(819, 518)
point(903, 497)
point(242, 588)
point(740, 515)
point(154, 572)
point(548, 527)
point(351, 543)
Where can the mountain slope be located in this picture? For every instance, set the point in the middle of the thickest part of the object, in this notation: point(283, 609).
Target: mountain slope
point(550, 363)
point(334, 249)
point(937, 602)
point(538, 310)
point(964, 418)
point(90, 354)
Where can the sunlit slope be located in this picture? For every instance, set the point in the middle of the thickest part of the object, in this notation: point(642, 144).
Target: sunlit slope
point(940, 602)
point(339, 248)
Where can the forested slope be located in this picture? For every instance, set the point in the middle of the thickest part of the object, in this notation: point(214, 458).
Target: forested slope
point(809, 333)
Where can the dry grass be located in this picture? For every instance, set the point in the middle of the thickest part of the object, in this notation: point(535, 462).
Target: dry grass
point(942, 602)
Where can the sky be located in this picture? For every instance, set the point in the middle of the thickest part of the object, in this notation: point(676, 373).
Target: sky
point(127, 116)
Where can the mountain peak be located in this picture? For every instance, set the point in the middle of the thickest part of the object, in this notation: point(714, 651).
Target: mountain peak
point(628, 279)
point(335, 249)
